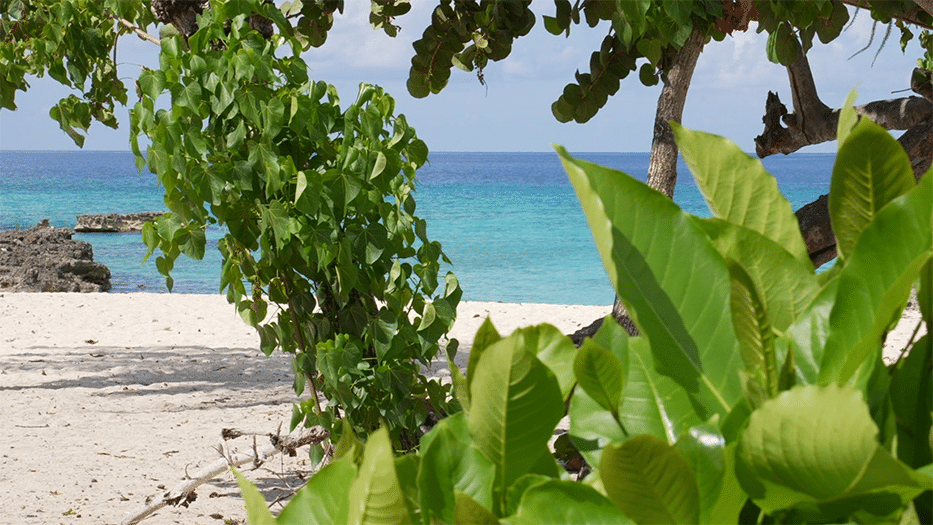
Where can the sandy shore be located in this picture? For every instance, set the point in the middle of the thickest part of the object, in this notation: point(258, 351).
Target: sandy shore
point(107, 399)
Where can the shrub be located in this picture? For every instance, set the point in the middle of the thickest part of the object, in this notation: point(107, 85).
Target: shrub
point(755, 394)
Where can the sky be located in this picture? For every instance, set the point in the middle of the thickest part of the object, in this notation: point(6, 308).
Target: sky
point(513, 111)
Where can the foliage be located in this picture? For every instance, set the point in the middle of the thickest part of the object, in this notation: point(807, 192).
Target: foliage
point(35, 38)
point(644, 36)
point(756, 392)
point(319, 215)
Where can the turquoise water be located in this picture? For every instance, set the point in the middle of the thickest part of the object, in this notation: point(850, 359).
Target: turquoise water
point(510, 222)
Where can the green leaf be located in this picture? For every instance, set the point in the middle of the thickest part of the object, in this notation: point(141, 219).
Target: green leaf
point(753, 328)
point(449, 463)
point(557, 501)
point(782, 45)
point(785, 284)
point(375, 494)
point(600, 374)
point(152, 83)
point(650, 481)
point(808, 333)
point(635, 12)
point(273, 117)
point(654, 404)
point(815, 448)
point(738, 189)
point(515, 406)
point(188, 97)
point(325, 498)
point(485, 336)
point(257, 511)
point(469, 511)
point(275, 217)
point(554, 349)
point(704, 448)
point(911, 394)
point(878, 277)
point(847, 118)
point(652, 253)
point(731, 496)
point(871, 170)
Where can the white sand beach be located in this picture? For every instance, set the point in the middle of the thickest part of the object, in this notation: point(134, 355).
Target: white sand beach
point(107, 399)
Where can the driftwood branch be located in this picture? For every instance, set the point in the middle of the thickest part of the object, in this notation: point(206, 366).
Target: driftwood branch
point(183, 493)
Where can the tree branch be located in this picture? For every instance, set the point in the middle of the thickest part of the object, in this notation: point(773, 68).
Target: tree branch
point(896, 114)
point(926, 5)
point(139, 32)
point(910, 18)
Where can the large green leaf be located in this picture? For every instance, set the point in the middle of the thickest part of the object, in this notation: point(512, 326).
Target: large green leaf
point(552, 348)
point(485, 336)
point(871, 170)
point(651, 404)
point(257, 512)
point(731, 496)
point(515, 406)
point(912, 399)
point(753, 328)
point(557, 501)
point(704, 448)
point(650, 481)
point(815, 448)
point(847, 118)
point(375, 495)
point(449, 463)
point(875, 283)
point(787, 285)
point(739, 190)
point(654, 253)
point(807, 335)
point(324, 499)
point(469, 511)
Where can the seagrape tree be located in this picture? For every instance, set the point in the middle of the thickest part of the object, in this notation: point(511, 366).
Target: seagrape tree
point(756, 392)
point(322, 250)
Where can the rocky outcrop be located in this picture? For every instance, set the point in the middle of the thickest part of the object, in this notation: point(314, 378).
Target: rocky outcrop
point(114, 222)
point(47, 259)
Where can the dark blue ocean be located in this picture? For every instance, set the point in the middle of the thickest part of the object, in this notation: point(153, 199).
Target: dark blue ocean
point(510, 222)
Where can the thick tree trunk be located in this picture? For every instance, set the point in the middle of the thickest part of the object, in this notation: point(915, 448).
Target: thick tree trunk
point(662, 166)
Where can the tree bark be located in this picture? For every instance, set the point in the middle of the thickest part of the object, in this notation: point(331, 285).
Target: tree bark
point(662, 166)
point(812, 123)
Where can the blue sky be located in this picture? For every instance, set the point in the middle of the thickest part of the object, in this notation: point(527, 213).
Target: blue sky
point(512, 112)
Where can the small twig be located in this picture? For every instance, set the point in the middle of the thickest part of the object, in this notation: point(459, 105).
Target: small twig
point(183, 493)
point(139, 32)
point(910, 342)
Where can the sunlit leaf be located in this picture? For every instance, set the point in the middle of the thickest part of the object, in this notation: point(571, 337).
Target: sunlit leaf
point(651, 253)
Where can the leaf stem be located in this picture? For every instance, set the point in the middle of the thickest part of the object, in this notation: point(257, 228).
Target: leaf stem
point(615, 415)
